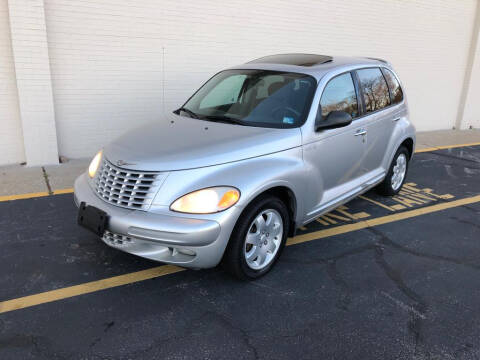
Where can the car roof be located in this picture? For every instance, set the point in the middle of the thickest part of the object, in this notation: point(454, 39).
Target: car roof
point(311, 64)
point(294, 59)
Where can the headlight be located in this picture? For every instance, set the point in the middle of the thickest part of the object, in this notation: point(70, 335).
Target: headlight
point(92, 169)
point(206, 201)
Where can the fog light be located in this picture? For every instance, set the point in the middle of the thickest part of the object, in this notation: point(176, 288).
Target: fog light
point(186, 252)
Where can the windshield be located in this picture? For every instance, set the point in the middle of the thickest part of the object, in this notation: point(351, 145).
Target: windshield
point(254, 98)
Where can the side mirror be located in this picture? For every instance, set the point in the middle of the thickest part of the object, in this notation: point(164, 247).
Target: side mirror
point(334, 119)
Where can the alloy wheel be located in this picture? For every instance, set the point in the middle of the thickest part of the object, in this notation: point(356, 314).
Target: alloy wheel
point(399, 171)
point(263, 239)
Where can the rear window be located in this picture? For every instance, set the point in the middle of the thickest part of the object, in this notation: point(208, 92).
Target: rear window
point(394, 86)
point(375, 89)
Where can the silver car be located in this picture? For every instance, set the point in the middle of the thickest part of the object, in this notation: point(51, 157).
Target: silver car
point(258, 151)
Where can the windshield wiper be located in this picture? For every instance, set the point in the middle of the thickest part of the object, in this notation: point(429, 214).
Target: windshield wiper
point(225, 119)
point(188, 111)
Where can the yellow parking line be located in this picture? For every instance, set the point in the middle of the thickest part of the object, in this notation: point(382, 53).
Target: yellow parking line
point(23, 196)
point(35, 195)
point(64, 293)
point(67, 292)
point(376, 203)
point(380, 220)
point(63, 191)
point(436, 148)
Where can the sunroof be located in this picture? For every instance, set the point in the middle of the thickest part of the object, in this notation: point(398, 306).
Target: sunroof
point(294, 59)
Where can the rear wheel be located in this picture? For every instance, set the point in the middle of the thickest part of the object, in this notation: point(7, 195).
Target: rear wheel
point(258, 238)
point(397, 173)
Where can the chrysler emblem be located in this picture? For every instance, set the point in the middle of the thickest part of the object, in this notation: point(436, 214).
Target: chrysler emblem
point(123, 163)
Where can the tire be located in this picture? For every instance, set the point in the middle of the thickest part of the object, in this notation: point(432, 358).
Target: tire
point(266, 236)
point(389, 186)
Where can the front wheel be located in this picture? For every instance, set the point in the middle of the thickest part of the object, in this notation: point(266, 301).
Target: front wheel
point(258, 238)
point(397, 173)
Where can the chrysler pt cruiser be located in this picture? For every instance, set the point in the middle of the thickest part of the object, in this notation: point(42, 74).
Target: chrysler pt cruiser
point(258, 151)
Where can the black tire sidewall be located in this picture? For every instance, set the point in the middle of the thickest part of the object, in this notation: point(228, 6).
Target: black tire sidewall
point(235, 257)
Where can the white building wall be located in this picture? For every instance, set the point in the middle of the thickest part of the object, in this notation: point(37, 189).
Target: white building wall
point(108, 57)
point(11, 143)
point(471, 111)
point(32, 71)
point(115, 65)
point(106, 61)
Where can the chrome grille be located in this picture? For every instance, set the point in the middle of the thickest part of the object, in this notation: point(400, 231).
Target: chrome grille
point(126, 188)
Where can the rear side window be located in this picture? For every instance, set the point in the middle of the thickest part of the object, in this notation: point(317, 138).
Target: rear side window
point(394, 85)
point(339, 94)
point(375, 89)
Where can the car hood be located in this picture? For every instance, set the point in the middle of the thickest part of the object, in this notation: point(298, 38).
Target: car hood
point(178, 143)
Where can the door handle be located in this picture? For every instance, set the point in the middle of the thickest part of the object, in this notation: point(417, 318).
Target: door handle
point(396, 119)
point(360, 132)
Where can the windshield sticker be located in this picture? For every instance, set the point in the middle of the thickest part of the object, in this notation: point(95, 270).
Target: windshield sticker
point(287, 120)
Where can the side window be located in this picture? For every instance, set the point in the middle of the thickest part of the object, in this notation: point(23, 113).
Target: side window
point(393, 84)
point(375, 90)
point(339, 94)
point(225, 93)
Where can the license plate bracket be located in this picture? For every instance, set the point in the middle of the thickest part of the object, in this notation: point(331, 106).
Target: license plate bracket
point(92, 218)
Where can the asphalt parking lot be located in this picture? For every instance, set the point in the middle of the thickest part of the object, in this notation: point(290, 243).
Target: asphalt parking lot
point(379, 278)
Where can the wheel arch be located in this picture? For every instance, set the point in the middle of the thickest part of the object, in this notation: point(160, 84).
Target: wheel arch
point(287, 196)
point(408, 143)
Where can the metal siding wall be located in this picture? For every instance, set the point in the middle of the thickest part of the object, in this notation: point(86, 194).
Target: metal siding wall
point(108, 57)
point(11, 144)
point(471, 111)
point(471, 116)
point(34, 83)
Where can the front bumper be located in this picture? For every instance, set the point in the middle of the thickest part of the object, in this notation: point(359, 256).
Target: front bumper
point(185, 241)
